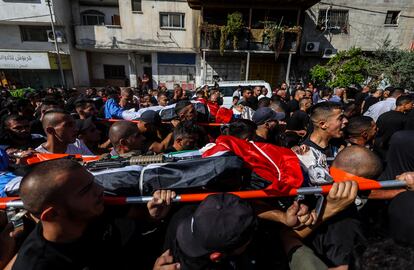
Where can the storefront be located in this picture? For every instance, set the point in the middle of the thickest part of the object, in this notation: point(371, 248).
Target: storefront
point(33, 69)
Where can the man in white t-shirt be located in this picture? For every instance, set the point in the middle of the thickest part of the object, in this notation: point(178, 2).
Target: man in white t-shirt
point(61, 134)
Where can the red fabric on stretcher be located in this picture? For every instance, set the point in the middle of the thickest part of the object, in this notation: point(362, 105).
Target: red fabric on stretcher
point(39, 157)
point(276, 164)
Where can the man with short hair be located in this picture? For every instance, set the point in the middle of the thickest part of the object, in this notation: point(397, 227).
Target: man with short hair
point(162, 99)
point(299, 120)
point(338, 95)
point(61, 133)
point(293, 105)
point(85, 108)
point(73, 231)
point(374, 97)
point(257, 91)
point(282, 92)
point(263, 94)
point(361, 130)
point(328, 122)
point(114, 107)
point(248, 98)
point(125, 137)
point(17, 136)
point(179, 94)
point(185, 136)
point(384, 106)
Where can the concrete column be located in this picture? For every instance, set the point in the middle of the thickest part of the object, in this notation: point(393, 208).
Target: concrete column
point(287, 80)
point(247, 66)
point(200, 69)
point(154, 67)
point(132, 65)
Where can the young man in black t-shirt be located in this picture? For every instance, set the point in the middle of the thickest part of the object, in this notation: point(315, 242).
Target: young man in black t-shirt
point(390, 122)
point(73, 231)
point(328, 123)
point(299, 120)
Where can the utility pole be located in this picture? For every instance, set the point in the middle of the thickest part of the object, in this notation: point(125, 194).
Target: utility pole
point(59, 61)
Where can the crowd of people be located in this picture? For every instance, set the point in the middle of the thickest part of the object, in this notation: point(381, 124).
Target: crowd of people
point(366, 132)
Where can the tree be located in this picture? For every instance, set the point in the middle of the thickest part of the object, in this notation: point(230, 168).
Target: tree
point(345, 68)
point(354, 67)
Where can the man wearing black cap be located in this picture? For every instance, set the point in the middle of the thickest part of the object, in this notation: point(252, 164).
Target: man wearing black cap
point(89, 134)
point(149, 124)
point(213, 234)
point(266, 120)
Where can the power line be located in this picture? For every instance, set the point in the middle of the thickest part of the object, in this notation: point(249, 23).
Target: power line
point(364, 9)
point(22, 18)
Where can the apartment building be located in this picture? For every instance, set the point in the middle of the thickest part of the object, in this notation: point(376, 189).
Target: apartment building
point(335, 25)
point(27, 51)
point(120, 41)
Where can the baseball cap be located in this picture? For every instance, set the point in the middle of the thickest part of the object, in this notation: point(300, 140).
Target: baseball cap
point(150, 117)
point(400, 218)
point(265, 114)
point(222, 223)
point(83, 124)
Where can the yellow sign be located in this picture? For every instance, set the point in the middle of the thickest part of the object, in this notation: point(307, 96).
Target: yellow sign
point(65, 60)
point(3, 80)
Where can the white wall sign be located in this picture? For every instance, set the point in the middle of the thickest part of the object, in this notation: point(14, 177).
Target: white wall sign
point(24, 60)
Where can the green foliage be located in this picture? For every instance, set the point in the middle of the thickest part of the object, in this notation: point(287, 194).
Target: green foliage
point(354, 67)
point(19, 93)
point(345, 68)
point(320, 74)
point(272, 34)
point(232, 29)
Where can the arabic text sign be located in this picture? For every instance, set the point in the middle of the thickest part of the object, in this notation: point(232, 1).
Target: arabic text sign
point(24, 60)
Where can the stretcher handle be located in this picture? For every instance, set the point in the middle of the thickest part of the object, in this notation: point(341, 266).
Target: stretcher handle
point(250, 194)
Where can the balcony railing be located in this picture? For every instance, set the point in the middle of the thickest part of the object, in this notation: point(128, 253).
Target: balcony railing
point(98, 36)
point(286, 40)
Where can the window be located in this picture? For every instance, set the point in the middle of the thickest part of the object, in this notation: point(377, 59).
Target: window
point(93, 17)
point(114, 72)
point(34, 33)
point(335, 21)
point(392, 17)
point(172, 20)
point(136, 5)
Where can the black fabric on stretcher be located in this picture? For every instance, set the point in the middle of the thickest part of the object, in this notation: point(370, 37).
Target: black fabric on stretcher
point(215, 174)
point(225, 173)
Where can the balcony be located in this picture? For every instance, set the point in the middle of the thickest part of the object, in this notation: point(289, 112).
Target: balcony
point(98, 36)
point(267, 40)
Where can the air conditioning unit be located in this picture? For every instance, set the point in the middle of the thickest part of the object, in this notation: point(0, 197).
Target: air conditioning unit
point(60, 36)
point(329, 52)
point(312, 47)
